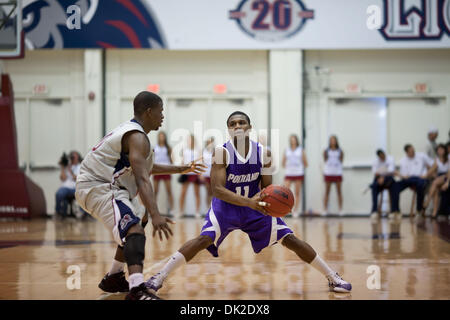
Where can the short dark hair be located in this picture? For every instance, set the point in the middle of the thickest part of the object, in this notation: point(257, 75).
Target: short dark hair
point(145, 100)
point(241, 113)
point(407, 146)
point(380, 151)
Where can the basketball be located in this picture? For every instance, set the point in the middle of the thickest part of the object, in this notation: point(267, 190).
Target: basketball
point(281, 200)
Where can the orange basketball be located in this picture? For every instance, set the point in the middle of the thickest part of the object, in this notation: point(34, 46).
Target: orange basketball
point(281, 200)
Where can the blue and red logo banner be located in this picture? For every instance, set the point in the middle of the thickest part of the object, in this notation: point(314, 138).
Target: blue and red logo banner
point(236, 24)
point(102, 24)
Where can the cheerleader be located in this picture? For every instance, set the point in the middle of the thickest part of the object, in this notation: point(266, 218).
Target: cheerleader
point(294, 162)
point(206, 178)
point(190, 154)
point(163, 156)
point(438, 171)
point(333, 157)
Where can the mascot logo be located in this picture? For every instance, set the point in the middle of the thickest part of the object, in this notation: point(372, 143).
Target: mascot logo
point(104, 24)
point(271, 20)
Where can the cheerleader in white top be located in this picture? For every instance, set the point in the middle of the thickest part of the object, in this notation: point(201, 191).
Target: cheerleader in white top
point(294, 163)
point(190, 154)
point(206, 178)
point(163, 156)
point(333, 157)
point(438, 171)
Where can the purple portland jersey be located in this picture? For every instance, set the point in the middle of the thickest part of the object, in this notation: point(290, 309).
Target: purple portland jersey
point(243, 175)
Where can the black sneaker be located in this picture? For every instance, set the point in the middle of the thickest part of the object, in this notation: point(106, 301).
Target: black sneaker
point(141, 293)
point(114, 283)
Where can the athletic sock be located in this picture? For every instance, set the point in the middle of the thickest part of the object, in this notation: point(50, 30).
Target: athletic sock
point(321, 266)
point(116, 267)
point(135, 279)
point(175, 261)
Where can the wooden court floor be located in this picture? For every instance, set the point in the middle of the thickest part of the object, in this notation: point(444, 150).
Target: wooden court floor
point(46, 259)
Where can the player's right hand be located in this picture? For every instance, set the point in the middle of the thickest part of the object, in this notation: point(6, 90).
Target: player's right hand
point(160, 225)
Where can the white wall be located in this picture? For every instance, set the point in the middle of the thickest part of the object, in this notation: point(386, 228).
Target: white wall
point(383, 73)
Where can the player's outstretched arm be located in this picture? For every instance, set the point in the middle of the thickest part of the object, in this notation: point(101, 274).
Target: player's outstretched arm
point(218, 182)
point(195, 166)
point(139, 149)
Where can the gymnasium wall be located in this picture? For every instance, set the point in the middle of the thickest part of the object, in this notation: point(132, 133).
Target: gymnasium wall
point(266, 84)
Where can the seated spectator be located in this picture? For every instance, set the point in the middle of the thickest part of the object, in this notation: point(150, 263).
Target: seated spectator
point(413, 169)
point(444, 207)
point(437, 172)
point(70, 168)
point(383, 169)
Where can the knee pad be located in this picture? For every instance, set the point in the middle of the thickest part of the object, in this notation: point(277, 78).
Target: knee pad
point(134, 249)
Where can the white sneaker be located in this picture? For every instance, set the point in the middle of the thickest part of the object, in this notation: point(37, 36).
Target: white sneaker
point(337, 284)
point(155, 282)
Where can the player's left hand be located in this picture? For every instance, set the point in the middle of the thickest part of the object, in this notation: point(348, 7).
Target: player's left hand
point(195, 166)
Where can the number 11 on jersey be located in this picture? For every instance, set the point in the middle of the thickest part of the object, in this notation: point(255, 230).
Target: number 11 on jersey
point(246, 191)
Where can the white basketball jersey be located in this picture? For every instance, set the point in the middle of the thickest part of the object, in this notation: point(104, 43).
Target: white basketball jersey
point(108, 164)
point(294, 162)
point(333, 166)
point(207, 158)
point(161, 155)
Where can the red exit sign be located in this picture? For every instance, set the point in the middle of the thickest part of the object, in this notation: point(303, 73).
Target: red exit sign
point(421, 88)
point(353, 88)
point(40, 89)
point(155, 88)
point(220, 88)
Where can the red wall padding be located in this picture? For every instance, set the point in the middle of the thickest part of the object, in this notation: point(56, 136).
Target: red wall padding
point(19, 196)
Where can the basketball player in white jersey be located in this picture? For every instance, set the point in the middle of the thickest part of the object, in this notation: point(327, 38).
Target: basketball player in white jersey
point(111, 177)
point(333, 157)
point(294, 162)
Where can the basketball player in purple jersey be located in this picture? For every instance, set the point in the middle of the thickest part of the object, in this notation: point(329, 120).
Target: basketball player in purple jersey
point(236, 178)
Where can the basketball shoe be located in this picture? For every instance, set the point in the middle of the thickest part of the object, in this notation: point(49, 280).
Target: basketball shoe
point(141, 293)
point(155, 282)
point(114, 283)
point(337, 284)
